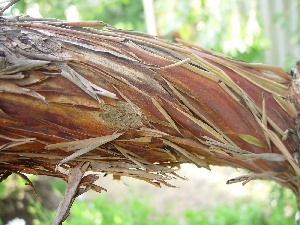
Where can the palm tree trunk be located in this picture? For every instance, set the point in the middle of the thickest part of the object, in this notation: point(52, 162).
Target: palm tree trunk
point(125, 103)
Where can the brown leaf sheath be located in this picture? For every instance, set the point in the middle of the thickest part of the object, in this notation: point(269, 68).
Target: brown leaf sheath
point(159, 103)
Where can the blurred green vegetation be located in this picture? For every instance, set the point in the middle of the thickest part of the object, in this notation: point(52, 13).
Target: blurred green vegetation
point(217, 25)
point(123, 14)
point(279, 207)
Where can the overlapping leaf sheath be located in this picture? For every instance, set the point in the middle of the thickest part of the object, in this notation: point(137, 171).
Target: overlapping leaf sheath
point(134, 105)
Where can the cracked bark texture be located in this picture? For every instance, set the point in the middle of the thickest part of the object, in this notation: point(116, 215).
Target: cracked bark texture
point(134, 105)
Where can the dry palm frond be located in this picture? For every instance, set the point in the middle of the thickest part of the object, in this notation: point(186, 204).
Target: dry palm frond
point(133, 105)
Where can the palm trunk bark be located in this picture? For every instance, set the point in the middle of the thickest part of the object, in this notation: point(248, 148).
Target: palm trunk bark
point(125, 103)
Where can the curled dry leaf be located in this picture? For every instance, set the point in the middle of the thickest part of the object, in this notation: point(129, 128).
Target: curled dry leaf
point(74, 178)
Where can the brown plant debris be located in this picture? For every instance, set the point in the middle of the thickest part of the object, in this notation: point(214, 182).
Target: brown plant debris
point(129, 104)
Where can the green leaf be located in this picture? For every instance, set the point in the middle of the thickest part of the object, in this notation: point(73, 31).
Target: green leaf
point(251, 140)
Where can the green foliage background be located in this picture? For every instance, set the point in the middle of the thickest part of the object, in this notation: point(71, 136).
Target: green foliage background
point(278, 208)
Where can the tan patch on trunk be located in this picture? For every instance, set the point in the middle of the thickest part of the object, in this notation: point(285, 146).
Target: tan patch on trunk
point(122, 116)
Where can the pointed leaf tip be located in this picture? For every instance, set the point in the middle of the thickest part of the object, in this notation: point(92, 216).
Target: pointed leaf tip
point(251, 140)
